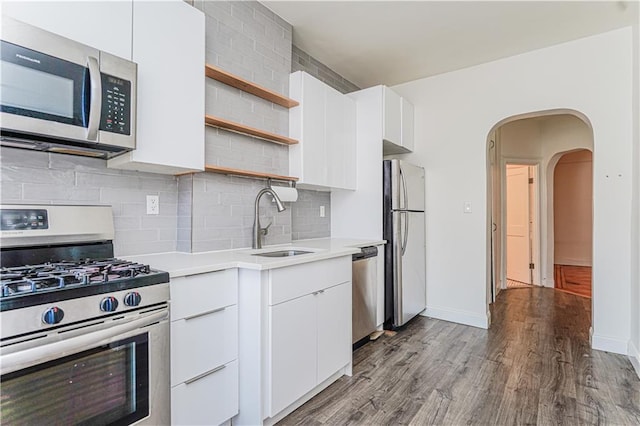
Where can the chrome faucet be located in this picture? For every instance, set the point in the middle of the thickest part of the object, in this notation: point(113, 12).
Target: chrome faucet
point(258, 231)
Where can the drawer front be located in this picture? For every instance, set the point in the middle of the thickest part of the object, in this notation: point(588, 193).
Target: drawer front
point(210, 400)
point(197, 294)
point(202, 343)
point(299, 280)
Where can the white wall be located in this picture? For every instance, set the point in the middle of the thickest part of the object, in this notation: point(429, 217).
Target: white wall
point(454, 114)
point(572, 215)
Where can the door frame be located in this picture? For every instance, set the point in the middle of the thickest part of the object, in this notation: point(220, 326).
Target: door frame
point(536, 231)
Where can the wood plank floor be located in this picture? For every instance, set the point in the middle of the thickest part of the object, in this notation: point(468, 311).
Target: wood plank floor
point(534, 366)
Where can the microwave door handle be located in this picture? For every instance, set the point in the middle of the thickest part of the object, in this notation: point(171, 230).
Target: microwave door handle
point(96, 98)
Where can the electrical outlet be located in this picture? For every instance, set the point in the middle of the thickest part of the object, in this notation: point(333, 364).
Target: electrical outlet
point(321, 211)
point(466, 208)
point(153, 204)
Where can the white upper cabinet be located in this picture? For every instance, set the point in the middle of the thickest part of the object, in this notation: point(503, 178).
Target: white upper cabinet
point(397, 123)
point(392, 117)
point(104, 25)
point(168, 46)
point(408, 124)
point(325, 125)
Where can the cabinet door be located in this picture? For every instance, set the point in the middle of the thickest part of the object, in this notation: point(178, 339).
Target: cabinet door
point(334, 329)
point(209, 400)
point(392, 122)
point(202, 343)
point(313, 132)
point(104, 25)
point(340, 140)
point(292, 331)
point(407, 125)
point(168, 46)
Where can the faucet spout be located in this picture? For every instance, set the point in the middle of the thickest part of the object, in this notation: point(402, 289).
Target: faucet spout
point(258, 231)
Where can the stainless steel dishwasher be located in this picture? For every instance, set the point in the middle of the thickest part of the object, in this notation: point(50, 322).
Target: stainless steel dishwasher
point(364, 282)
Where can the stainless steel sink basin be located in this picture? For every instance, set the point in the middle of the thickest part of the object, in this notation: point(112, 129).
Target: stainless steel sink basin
point(283, 253)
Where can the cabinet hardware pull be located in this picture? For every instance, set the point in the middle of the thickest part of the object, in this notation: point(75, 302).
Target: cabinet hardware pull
point(205, 374)
point(205, 313)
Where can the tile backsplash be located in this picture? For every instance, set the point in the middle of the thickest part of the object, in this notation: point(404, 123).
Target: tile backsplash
point(33, 177)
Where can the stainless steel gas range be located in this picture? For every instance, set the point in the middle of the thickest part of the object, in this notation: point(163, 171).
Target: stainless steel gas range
point(84, 336)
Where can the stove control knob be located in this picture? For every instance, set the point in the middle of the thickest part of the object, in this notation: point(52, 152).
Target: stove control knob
point(53, 315)
point(109, 304)
point(132, 299)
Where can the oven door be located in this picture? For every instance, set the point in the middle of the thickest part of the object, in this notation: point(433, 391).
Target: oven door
point(114, 372)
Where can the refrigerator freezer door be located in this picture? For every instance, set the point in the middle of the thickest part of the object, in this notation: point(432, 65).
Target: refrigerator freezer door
point(407, 186)
point(409, 287)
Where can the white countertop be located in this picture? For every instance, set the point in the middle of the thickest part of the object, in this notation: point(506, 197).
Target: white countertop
point(179, 264)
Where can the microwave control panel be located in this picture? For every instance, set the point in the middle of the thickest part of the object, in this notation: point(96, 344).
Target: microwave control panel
point(116, 105)
point(13, 220)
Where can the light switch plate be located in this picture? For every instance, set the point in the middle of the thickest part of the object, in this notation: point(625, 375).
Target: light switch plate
point(467, 207)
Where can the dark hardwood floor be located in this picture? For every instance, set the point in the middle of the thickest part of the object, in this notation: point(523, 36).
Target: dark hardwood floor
point(533, 366)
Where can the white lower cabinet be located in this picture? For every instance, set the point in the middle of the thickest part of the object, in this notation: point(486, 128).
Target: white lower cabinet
point(204, 348)
point(210, 400)
point(293, 350)
point(334, 312)
point(295, 336)
point(310, 341)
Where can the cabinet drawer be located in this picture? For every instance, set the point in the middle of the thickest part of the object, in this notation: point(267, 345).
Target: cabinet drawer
point(210, 400)
point(202, 343)
point(197, 294)
point(295, 281)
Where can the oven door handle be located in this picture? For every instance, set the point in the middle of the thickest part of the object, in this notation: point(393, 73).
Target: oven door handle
point(39, 354)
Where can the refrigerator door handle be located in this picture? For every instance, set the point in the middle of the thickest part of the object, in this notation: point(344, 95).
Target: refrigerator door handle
point(403, 183)
point(405, 236)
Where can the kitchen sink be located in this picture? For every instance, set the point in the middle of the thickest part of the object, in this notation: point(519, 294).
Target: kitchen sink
point(283, 253)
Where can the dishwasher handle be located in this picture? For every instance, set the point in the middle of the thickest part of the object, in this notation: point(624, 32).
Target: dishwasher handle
point(365, 253)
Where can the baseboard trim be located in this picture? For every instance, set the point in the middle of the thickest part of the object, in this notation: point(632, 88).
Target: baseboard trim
point(609, 344)
point(634, 357)
point(457, 316)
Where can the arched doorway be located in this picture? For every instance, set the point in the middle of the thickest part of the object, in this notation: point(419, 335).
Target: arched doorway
point(535, 139)
point(573, 221)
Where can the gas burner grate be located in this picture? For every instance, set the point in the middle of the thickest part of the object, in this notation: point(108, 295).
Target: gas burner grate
point(55, 275)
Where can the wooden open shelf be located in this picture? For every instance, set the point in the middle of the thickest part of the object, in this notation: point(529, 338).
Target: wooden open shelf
point(232, 126)
point(247, 86)
point(246, 173)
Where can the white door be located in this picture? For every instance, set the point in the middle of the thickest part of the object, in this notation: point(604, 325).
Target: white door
point(518, 239)
point(293, 350)
point(334, 329)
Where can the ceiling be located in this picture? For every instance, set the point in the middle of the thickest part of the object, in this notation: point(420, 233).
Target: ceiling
point(392, 42)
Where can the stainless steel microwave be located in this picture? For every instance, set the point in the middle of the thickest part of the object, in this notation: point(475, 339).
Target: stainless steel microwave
point(63, 96)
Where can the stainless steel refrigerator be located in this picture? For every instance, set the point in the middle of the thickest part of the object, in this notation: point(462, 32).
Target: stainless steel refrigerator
point(404, 230)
